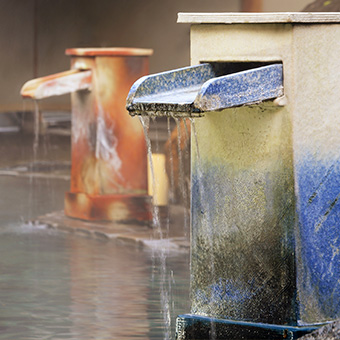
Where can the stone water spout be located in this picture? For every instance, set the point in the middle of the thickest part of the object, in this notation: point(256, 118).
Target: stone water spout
point(109, 156)
point(265, 170)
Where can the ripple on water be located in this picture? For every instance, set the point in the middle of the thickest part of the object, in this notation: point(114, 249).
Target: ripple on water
point(56, 285)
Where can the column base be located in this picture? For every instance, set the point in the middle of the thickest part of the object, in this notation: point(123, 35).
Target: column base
point(120, 208)
point(194, 327)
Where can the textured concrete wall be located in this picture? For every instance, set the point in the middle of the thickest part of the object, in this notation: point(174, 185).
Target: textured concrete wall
point(89, 23)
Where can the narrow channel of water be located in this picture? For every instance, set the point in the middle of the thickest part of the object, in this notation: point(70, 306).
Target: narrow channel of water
point(36, 128)
point(171, 161)
point(145, 121)
point(165, 285)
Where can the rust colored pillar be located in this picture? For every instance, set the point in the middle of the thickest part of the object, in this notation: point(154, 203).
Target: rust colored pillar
point(109, 156)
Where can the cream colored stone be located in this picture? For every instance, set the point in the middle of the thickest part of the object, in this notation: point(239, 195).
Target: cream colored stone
point(247, 18)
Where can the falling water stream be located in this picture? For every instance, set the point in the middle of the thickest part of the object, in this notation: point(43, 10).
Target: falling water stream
point(145, 121)
point(171, 159)
point(36, 129)
point(182, 184)
point(165, 283)
point(167, 278)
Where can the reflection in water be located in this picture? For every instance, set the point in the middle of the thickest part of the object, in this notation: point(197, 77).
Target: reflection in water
point(56, 285)
point(64, 286)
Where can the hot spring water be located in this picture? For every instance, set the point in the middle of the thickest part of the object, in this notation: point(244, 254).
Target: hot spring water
point(57, 285)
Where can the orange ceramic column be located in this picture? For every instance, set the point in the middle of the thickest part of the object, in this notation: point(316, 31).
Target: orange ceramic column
point(109, 155)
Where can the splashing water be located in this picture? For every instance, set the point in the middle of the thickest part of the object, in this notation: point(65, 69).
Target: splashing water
point(106, 152)
point(171, 159)
point(106, 143)
point(145, 121)
point(36, 129)
point(165, 284)
point(183, 185)
point(180, 159)
point(153, 119)
point(36, 140)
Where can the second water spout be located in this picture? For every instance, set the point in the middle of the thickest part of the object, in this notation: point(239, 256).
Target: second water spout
point(57, 84)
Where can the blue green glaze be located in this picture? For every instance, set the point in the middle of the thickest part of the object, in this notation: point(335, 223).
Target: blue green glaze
point(318, 237)
point(197, 89)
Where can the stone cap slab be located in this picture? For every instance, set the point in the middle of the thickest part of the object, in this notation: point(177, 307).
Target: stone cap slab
point(260, 18)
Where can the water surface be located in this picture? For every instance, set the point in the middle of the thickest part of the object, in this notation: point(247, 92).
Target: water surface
point(56, 285)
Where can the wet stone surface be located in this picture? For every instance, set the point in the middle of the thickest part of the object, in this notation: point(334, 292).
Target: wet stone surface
point(169, 235)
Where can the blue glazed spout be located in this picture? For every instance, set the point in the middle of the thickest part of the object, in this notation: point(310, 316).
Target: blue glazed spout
point(191, 91)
